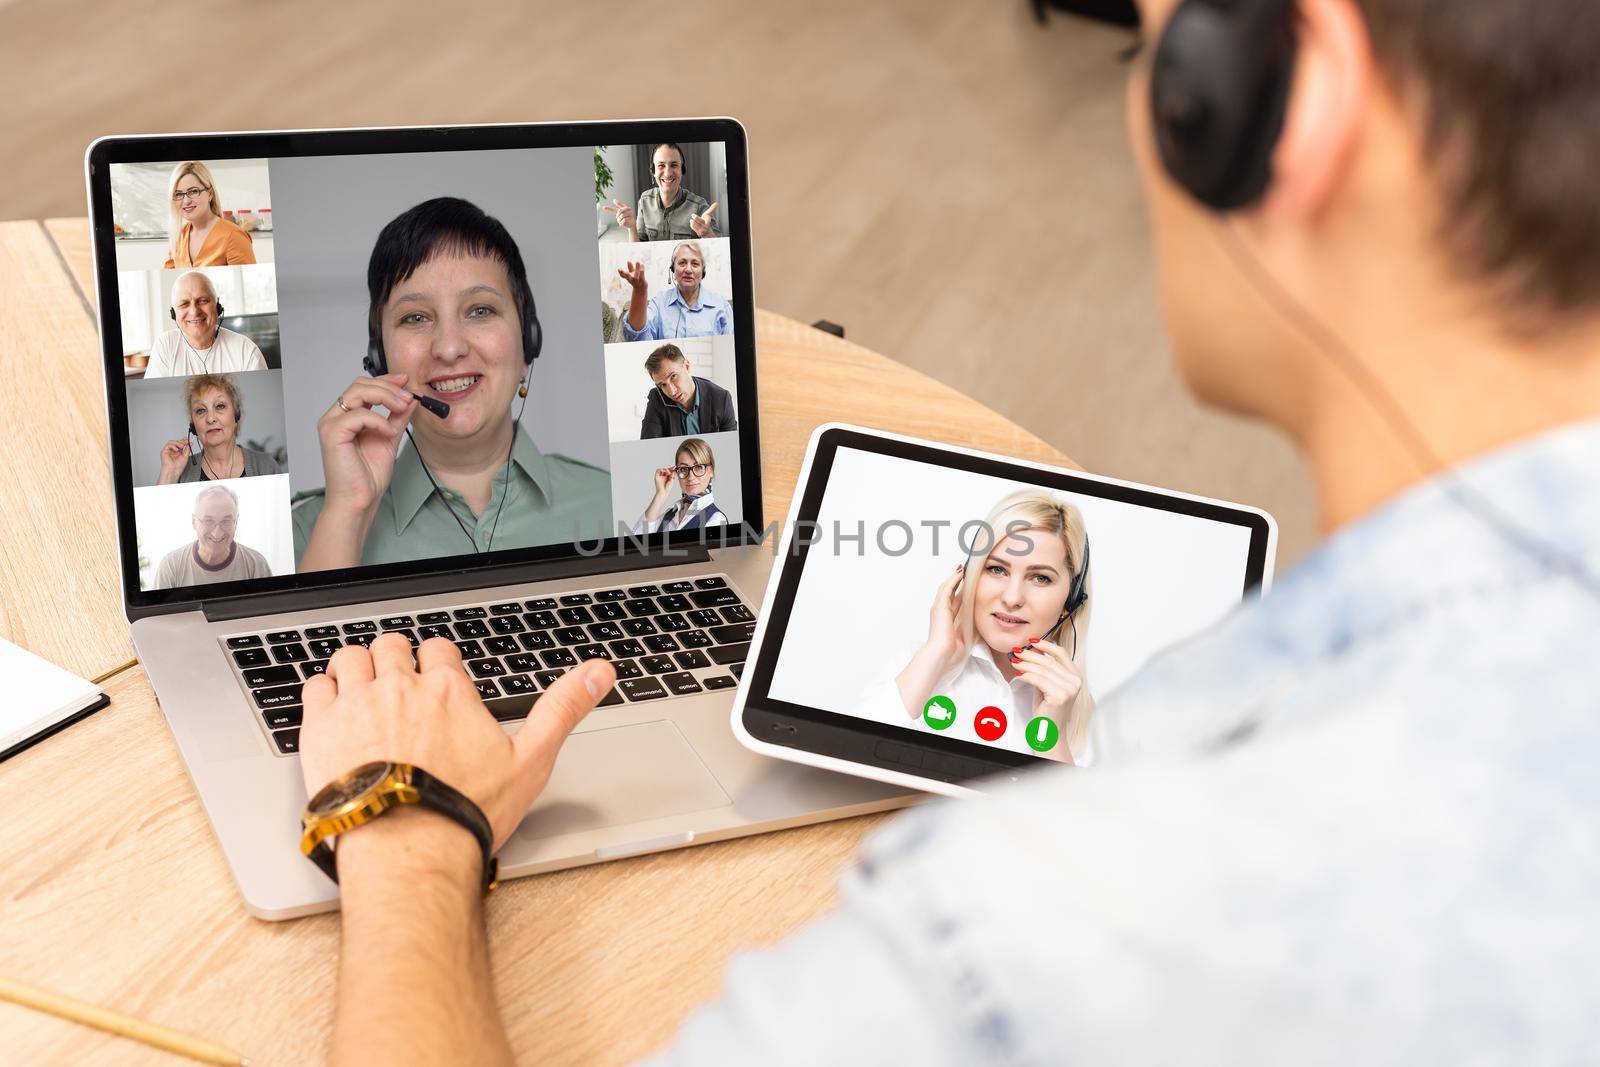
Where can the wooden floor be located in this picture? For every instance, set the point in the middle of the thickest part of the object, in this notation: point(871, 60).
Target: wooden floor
point(945, 178)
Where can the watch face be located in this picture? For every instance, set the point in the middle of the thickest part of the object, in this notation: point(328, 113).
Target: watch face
point(342, 791)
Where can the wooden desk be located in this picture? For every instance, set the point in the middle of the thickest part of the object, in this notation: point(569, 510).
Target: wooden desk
point(113, 889)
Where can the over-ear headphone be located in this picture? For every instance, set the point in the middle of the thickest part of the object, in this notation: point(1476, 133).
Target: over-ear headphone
point(376, 364)
point(672, 268)
point(173, 315)
point(1219, 87)
point(1077, 594)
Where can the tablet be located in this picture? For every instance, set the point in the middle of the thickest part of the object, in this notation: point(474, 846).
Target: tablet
point(938, 615)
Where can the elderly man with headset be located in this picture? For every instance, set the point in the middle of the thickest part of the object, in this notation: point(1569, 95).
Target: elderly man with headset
point(1355, 821)
point(200, 344)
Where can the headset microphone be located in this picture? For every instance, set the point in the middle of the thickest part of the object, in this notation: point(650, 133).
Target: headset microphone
point(376, 367)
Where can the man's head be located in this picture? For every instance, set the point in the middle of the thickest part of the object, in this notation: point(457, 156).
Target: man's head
point(216, 518)
point(666, 167)
point(1430, 181)
point(671, 372)
point(194, 306)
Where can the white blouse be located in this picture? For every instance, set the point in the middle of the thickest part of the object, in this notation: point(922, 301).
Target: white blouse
point(677, 518)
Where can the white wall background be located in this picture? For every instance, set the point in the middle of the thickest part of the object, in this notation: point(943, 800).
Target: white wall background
point(163, 514)
point(628, 387)
point(1157, 577)
point(657, 259)
point(145, 298)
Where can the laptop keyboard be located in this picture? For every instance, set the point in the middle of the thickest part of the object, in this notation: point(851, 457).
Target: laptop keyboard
point(668, 639)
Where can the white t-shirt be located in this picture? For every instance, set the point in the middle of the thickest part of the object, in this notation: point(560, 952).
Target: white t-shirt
point(172, 355)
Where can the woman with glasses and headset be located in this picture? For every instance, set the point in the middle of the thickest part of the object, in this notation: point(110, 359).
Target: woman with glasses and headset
point(696, 509)
point(200, 236)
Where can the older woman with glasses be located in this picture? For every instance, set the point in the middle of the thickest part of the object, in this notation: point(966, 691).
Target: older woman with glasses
point(200, 236)
point(695, 508)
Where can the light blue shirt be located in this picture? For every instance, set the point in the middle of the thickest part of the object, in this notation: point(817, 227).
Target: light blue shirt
point(1356, 822)
point(668, 317)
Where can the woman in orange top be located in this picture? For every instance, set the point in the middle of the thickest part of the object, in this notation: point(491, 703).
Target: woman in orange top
point(201, 237)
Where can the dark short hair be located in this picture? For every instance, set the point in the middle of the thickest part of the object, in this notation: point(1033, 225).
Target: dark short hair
point(1509, 94)
point(445, 225)
point(683, 160)
point(660, 356)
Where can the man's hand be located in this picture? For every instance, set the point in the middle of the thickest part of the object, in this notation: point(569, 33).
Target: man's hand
point(384, 705)
point(701, 223)
point(624, 215)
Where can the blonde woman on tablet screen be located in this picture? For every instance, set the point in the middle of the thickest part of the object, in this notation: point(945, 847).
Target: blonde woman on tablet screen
point(1010, 626)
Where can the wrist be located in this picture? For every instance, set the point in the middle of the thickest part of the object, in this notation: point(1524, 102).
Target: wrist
point(407, 847)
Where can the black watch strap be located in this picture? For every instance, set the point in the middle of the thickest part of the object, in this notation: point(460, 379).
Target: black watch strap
point(436, 795)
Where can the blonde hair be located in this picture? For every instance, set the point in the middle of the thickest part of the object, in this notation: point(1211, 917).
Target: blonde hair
point(693, 246)
point(193, 387)
point(202, 174)
point(1033, 509)
point(699, 452)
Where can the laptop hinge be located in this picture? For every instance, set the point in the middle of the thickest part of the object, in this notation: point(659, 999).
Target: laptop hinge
point(243, 607)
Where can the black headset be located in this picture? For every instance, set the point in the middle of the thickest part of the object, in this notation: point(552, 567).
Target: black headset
point(672, 265)
point(1219, 88)
point(376, 364)
point(173, 314)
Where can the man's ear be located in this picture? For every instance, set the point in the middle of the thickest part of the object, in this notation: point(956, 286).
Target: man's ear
point(1333, 80)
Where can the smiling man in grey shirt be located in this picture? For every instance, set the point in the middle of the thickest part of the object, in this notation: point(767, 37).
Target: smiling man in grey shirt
point(1356, 821)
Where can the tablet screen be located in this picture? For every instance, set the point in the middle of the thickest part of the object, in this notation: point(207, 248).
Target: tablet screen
point(982, 607)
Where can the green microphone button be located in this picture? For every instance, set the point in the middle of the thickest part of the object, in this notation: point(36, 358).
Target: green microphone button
point(1043, 734)
point(939, 712)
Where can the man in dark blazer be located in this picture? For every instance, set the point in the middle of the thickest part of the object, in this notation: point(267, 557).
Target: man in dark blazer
point(682, 405)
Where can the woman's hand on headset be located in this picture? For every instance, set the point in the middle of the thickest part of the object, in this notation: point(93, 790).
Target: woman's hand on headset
point(359, 445)
point(1046, 666)
point(174, 457)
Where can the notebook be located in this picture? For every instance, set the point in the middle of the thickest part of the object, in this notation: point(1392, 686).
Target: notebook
point(42, 699)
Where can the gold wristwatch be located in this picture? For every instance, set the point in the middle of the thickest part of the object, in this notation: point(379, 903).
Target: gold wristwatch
point(374, 788)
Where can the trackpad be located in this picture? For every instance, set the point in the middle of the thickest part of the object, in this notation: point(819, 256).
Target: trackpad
point(621, 775)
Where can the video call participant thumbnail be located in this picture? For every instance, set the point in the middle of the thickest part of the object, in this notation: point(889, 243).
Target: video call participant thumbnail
point(1010, 626)
point(687, 309)
point(668, 212)
point(198, 233)
point(200, 344)
point(681, 403)
point(213, 556)
point(696, 508)
point(215, 410)
point(451, 318)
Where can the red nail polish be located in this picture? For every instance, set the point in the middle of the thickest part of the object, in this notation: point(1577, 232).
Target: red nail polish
point(1033, 640)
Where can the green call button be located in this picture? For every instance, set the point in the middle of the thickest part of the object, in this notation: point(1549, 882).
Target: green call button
point(939, 712)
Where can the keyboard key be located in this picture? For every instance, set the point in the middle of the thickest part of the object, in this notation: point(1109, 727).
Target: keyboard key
point(436, 630)
point(277, 697)
point(705, 617)
point(486, 688)
point(312, 668)
point(409, 636)
point(433, 618)
point(535, 641)
point(570, 599)
point(486, 668)
point(368, 627)
point(506, 624)
point(676, 587)
point(500, 646)
point(470, 649)
point(541, 620)
point(288, 741)
point(604, 631)
point(694, 639)
point(591, 652)
point(738, 613)
point(523, 663)
point(737, 669)
point(671, 622)
point(575, 616)
point(471, 628)
point(692, 660)
point(572, 635)
point(294, 653)
point(674, 602)
point(730, 653)
point(610, 594)
point(518, 683)
point(557, 657)
point(544, 603)
point(513, 708)
point(713, 582)
point(608, 612)
point(739, 631)
point(638, 608)
point(626, 668)
point(643, 590)
point(682, 684)
point(315, 632)
point(610, 698)
point(505, 609)
point(628, 646)
point(547, 678)
point(710, 598)
point(364, 640)
point(468, 613)
point(658, 664)
point(278, 637)
point(278, 718)
point(661, 643)
point(247, 641)
point(251, 657)
point(261, 677)
point(641, 688)
point(638, 627)
point(720, 681)
point(397, 622)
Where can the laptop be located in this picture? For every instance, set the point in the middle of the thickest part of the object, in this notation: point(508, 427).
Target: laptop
point(317, 345)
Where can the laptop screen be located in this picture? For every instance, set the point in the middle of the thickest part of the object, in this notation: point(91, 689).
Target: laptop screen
point(359, 363)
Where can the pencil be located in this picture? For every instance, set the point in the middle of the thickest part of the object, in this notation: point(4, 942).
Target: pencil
point(115, 1023)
